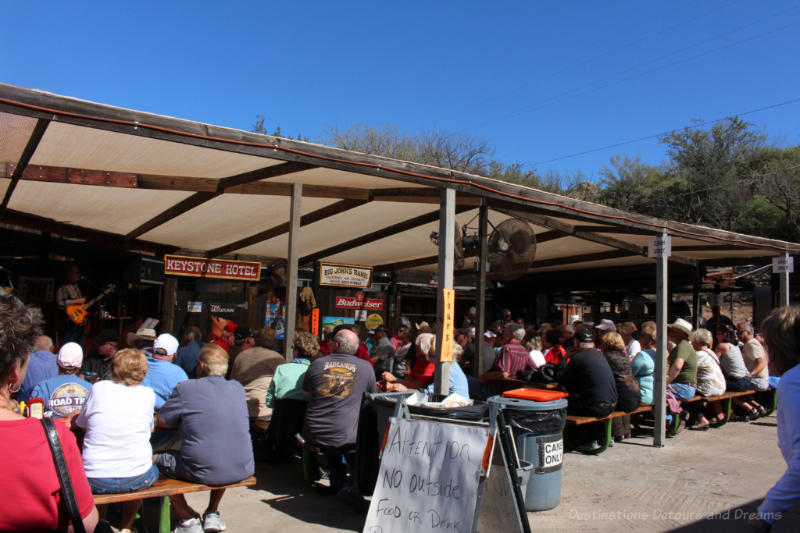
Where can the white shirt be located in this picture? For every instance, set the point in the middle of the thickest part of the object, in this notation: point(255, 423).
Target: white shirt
point(537, 358)
point(633, 348)
point(117, 420)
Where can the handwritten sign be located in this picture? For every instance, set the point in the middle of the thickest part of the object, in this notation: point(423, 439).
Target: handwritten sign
point(429, 476)
point(448, 323)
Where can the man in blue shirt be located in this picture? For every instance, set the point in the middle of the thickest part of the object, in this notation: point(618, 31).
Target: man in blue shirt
point(162, 375)
point(65, 392)
point(41, 366)
point(188, 353)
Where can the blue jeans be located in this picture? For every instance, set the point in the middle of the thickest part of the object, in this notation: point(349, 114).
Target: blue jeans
point(114, 485)
point(341, 461)
point(682, 391)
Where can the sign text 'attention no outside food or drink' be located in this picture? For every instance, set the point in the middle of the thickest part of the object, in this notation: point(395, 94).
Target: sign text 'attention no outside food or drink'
point(428, 479)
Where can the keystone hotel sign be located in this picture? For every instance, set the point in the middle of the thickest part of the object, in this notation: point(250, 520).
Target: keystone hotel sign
point(200, 267)
point(352, 276)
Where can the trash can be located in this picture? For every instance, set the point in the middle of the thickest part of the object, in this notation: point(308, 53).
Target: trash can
point(376, 409)
point(538, 429)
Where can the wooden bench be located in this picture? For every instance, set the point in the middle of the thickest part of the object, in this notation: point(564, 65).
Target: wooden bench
point(575, 420)
point(674, 426)
point(164, 488)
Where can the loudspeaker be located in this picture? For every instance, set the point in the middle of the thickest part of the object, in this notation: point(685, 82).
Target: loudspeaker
point(145, 270)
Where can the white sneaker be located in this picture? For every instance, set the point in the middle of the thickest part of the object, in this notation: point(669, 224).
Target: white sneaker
point(192, 525)
point(212, 522)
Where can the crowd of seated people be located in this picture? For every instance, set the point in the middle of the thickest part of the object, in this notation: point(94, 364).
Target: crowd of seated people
point(139, 397)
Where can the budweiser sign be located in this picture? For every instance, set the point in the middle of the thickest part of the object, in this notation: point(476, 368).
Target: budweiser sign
point(359, 302)
point(198, 267)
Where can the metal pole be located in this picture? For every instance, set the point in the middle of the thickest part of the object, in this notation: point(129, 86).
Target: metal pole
point(447, 222)
point(483, 248)
point(660, 385)
point(291, 268)
point(784, 284)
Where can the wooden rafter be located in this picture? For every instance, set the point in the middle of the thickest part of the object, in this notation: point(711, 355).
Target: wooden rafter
point(27, 153)
point(77, 232)
point(200, 198)
point(377, 235)
point(309, 218)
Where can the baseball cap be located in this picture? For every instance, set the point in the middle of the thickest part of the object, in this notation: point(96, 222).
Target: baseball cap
point(489, 333)
point(70, 356)
point(230, 326)
point(241, 333)
point(166, 343)
point(376, 330)
point(606, 325)
point(584, 336)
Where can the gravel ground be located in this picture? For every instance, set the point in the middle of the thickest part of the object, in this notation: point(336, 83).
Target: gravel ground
point(701, 481)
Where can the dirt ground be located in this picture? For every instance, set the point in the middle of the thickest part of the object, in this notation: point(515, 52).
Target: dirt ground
point(701, 481)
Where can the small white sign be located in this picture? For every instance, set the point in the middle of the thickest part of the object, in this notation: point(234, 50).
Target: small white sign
point(783, 264)
point(194, 307)
point(660, 246)
point(551, 453)
point(361, 315)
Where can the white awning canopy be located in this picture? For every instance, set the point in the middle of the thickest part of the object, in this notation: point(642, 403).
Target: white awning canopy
point(160, 184)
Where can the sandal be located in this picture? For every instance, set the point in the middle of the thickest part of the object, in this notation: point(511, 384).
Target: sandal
point(753, 414)
point(700, 427)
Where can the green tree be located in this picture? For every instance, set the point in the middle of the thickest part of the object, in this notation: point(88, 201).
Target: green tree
point(711, 166)
point(777, 181)
point(631, 185)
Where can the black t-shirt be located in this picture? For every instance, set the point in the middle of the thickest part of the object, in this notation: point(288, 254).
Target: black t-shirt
point(589, 379)
point(337, 384)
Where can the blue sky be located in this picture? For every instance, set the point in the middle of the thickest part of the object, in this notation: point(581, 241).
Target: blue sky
point(538, 80)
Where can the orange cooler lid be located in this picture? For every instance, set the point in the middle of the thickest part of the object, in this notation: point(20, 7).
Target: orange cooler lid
point(536, 395)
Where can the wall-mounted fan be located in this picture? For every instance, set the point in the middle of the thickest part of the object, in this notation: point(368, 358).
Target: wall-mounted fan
point(512, 248)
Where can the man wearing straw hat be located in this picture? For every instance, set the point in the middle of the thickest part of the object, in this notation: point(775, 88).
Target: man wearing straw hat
point(682, 375)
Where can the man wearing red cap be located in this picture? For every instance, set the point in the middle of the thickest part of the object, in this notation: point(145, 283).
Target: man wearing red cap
point(226, 340)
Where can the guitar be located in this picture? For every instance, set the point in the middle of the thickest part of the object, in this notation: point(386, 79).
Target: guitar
point(77, 312)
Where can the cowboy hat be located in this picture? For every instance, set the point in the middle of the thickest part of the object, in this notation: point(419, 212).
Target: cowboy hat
point(142, 334)
point(682, 325)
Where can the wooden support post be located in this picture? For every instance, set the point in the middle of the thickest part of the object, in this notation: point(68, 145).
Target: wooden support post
point(784, 285)
point(660, 385)
point(447, 221)
point(168, 302)
point(480, 326)
point(697, 305)
point(291, 268)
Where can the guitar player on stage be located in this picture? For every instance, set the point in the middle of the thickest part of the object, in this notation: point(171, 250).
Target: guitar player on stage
point(70, 294)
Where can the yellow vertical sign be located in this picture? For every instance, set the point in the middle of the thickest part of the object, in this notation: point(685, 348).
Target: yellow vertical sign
point(447, 325)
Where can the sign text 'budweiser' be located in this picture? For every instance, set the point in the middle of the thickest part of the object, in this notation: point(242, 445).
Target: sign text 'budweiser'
point(359, 302)
point(199, 267)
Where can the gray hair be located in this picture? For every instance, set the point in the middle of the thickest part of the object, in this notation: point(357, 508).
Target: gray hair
point(518, 333)
point(747, 327)
point(701, 336)
point(347, 342)
point(426, 341)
